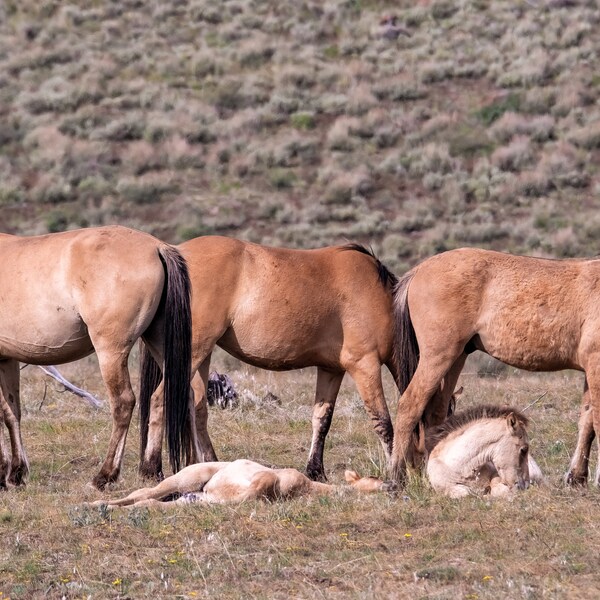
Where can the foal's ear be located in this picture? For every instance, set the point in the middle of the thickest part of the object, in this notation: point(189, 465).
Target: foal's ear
point(511, 421)
point(458, 392)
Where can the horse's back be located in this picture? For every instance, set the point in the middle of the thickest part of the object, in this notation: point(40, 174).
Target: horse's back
point(61, 282)
point(525, 311)
point(285, 308)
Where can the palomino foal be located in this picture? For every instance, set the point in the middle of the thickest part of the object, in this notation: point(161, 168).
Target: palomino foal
point(237, 481)
point(484, 449)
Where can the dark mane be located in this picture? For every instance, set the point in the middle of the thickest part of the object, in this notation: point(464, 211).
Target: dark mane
point(386, 277)
point(483, 411)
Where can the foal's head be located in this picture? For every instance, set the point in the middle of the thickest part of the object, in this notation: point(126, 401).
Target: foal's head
point(511, 453)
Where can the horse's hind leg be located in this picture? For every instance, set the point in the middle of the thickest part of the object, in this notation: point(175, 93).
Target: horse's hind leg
point(200, 385)
point(328, 386)
point(113, 366)
point(367, 377)
point(11, 407)
point(578, 469)
point(4, 451)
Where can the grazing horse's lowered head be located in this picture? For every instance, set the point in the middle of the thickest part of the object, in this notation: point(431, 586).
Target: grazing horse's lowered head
point(485, 448)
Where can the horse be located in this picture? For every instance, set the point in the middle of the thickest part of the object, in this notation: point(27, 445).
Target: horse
point(234, 482)
point(532, 313)
point(282, 309)
point(66, 295)
point(483, 449)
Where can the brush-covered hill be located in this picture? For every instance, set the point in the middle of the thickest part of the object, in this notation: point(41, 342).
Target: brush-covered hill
point(411, 126)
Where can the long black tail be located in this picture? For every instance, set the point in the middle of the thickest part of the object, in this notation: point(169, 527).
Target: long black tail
point(177, 357)
point(406, 347)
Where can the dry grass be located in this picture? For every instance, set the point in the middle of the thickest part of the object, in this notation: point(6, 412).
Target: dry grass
point(541, 544)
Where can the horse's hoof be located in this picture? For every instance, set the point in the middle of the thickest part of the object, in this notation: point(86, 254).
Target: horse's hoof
point(391, 487)
point(151, 474)
point(573, 480)
point(18, 475)
point(316, 474)
point(102, 480)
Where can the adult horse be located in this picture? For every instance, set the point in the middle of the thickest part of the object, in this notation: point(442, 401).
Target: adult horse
point(282, 309)
point(66, 295)
point(531, 313)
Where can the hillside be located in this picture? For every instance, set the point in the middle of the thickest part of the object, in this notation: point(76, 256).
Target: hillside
point(306, 123)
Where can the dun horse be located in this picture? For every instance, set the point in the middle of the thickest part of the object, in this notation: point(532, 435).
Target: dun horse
point(284, 309)
point(69, 294)
point(531, 313)
point(234, 482)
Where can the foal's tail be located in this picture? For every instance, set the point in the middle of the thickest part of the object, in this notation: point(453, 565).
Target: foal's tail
point(406, 348)
point(177, 357)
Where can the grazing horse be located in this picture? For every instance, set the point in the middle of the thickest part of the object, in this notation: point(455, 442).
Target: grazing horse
point(98, 290)
point(283, 309)
point(484, 449)
point(531, 313)
point(234, 482)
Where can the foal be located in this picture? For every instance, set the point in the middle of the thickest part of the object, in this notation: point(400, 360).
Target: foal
point(484, 449)
point(234, 482)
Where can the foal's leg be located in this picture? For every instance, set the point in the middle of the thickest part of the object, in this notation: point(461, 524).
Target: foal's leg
point(328, 386)
point(578, 469)
point(367, 377)
point(11, 406)
point(433, 367)
point(200, 386)
point(113, 366)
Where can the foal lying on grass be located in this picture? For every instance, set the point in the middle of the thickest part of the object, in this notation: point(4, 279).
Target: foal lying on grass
point(237, 481)
point(484, 450)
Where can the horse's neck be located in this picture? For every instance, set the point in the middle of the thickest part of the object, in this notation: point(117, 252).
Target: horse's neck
point(470, 448)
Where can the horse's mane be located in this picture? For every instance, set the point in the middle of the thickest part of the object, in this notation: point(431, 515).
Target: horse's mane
point(385, 275)
point(483, 411)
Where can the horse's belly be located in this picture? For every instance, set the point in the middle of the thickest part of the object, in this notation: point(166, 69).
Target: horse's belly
point(530, 348)
point(61, 340)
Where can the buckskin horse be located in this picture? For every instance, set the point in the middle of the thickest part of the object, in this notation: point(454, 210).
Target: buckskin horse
point(531, 313)
point(66, 295)
point(282, 309)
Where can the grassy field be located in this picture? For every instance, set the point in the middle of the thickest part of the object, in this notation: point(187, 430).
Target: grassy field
point(541, 544)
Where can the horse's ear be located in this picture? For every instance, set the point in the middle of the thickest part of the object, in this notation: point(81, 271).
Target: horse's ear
point(511, 421)
point(458, 392)
point(351, 476)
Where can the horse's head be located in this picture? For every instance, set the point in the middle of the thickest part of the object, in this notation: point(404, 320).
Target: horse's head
point(511, 453)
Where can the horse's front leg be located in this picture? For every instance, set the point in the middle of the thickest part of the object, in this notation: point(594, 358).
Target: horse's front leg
point(113, 366)
point(427, 379)
point(367, 377)
point(199, 386)
point(328, 386)
point(11, 409)
point(578, 469)
point(151, 459)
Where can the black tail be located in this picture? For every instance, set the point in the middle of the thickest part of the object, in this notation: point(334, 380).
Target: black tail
point(406, 348)
point(177, 357)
